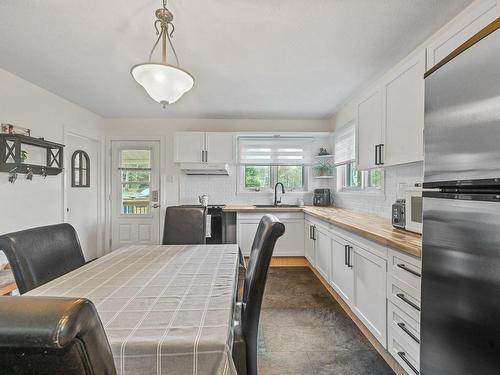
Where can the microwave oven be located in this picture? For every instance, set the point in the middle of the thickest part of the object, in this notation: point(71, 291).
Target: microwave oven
point(413, 210)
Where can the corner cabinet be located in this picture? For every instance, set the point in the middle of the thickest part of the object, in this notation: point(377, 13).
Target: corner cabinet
point(204, 147)
point(403, 113)
point(369, 129)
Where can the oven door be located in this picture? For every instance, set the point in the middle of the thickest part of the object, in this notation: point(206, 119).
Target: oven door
point(414, 212)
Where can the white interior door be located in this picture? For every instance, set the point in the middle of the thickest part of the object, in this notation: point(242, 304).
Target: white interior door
point(135, 190)
point(82, 202)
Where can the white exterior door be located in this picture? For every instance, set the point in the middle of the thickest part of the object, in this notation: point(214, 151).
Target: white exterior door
point(135, 200)
point(82, 202)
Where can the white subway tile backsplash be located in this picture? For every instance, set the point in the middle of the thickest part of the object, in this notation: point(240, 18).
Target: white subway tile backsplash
point(380, 204)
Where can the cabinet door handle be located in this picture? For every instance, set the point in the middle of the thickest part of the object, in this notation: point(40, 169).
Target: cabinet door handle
point(403, 267)
point(314, 232)
point(345, 254)
point(310, 232)
point(376, 154)
point(402, 297)
point(380, 154)
point(202, 155)
point(403, 357)
point(206, 155)
point(349, 256)
point(408, 332)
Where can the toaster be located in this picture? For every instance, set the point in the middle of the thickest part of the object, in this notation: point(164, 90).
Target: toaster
point(399, 214)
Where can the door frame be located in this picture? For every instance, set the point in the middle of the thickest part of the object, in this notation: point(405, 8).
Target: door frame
point(67, 132)
point(109, 175)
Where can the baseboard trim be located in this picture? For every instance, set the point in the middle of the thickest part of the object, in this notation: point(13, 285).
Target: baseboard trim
point(393, 364)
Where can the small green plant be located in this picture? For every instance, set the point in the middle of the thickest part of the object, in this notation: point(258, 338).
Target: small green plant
point(24, 156)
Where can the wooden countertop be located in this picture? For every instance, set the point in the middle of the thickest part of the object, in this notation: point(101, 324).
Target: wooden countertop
point(363, 224)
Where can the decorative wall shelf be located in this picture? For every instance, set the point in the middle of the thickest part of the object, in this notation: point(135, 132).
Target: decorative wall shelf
point(323, 166)
point(12, 160)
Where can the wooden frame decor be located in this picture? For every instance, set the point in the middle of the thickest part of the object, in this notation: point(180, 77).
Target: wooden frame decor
point(80, 169)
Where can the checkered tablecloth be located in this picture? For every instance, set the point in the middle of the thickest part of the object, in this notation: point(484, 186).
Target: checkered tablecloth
point(165, 309)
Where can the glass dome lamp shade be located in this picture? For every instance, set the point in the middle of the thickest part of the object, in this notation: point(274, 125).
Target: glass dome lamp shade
point(163, 82)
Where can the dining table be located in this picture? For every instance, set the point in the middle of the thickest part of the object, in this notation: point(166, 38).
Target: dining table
point(166, 309)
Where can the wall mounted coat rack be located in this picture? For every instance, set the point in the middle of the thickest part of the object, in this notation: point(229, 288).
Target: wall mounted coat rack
point(13, 156)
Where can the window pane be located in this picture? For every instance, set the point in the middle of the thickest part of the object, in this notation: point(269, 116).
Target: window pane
point(135, 199)
point(136, 176)
point(375, 178)
point(354, 176)
point(257, 176)
point(292, 176)
point(136, 159)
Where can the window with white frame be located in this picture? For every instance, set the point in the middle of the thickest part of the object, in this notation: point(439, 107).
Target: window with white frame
point(264, 161)
point(348, 177)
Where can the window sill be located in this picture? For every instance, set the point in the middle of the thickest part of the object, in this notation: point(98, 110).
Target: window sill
point(271, 193)
point(362, 192)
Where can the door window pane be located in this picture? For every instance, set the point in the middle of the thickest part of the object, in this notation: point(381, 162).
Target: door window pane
point(291, 176)
point(135, 175)
point(257, 177)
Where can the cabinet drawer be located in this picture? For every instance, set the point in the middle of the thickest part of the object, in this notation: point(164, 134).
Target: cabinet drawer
point(404, 296)
point(400, 323)
point(406, 356)
point(405, 268)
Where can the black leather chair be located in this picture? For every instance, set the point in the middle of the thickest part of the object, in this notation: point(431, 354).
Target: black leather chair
point(247, 313)
point(185, 225)
point(52, 336)
point(42, 254)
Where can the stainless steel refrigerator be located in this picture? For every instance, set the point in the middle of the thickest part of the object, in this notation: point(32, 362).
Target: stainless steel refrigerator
point(460, 312)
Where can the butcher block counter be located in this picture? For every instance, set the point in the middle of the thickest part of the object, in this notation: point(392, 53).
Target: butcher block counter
point(363, 224)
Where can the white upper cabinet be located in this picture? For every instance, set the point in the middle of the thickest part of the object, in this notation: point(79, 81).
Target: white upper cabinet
point(403, 112)
point(480, 15)
point(220, 147)
point(369, 128)
point(189, 147)
point(199, 147)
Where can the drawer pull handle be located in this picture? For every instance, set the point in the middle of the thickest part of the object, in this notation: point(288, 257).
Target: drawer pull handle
point(403, 357)
point(402, 297)
point(408, 332)
point(403, 267)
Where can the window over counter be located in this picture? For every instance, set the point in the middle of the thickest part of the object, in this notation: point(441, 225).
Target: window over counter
point(264, 161)
point(348, 177)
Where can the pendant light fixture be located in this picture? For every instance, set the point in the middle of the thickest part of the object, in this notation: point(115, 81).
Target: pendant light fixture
point(165, 83)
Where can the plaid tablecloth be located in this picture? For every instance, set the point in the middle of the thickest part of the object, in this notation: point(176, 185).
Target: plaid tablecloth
point(165, 309)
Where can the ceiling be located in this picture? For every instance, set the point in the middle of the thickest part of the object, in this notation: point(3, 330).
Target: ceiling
point(250, 58)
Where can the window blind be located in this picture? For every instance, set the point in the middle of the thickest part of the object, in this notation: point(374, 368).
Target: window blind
point(274, 150)
point(345, 144)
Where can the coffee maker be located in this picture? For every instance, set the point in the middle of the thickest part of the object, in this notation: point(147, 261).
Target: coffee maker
point(322, 197)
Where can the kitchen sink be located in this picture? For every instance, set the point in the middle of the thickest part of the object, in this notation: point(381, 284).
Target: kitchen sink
point(273, 206)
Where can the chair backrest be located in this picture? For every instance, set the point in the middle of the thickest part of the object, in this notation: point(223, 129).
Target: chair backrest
point(47, 335)
point(268, 232)
point(39, 255)
point(185, 225)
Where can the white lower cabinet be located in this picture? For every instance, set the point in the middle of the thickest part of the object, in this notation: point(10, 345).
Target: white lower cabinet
point(369, 303)
point(342, 277)
point(323, 250)
point(309, 249)
point(290, 244)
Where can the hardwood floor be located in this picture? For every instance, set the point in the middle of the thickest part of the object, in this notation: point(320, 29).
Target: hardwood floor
point(303, 330)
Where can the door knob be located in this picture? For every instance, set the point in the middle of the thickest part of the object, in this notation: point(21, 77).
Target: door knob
point(156, 205)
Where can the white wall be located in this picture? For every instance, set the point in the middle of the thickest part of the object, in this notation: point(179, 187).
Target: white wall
point(178, 188)
point(26, 203)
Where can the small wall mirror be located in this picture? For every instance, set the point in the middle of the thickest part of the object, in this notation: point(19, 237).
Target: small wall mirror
point(80, 169)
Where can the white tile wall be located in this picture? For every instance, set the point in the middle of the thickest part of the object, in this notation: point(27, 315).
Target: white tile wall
point(381, 203)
